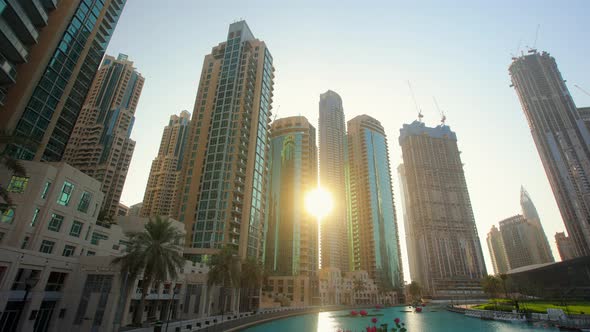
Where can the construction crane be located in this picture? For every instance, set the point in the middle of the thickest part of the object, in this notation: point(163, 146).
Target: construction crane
point(420, 116)
point(584, 91)
point(443, 117)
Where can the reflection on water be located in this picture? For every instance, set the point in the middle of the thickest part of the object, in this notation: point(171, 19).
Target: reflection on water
point(433, 319)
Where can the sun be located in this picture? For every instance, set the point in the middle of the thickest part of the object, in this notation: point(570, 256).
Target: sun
point(318, 202)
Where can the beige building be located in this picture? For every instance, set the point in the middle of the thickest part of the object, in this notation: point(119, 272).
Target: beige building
point(55, 65)
point(222, 191)
point(100, 144)
point(355, 287)
point(135, 210)
point(565, 246)
point(294, 291)
point(497, 251)
point(163, 181)
point(122, 210)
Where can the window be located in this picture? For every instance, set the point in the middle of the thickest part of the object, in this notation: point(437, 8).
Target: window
point(35, 216)
point(55, 282)
point(7, 216)
point(22, 275)
point(18, 184)
point(55, 222)
point(96, 237)
point(25, 243)
point(66, 194)
point(1, 237)
point(69, 251)
point(90, 253)
point(47, 246)
point(84, 202)
point(45, 189)
point(76, 228)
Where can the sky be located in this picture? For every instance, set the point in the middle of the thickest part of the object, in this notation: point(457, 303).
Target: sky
point(457, 52)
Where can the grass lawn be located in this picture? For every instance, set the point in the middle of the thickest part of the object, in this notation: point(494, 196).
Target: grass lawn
point(540, 306)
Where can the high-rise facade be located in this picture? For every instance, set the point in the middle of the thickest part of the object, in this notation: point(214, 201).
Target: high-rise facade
point(561, 137)
point(565, 246)
point(160, 192)
point(334, 228)
point(291, 247)
point(497, 251)
point(100, 144)
point(222, 192)
point(520, 238)
point(375, 236)
point(540, 242)
point(441, 235)
point(55, 65)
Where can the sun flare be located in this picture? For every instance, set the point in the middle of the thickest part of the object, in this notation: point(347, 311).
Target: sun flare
point(318, 202)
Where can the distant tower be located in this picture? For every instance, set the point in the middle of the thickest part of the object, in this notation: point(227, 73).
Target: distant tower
point(100, 145)
point(497, 251)
point(540, 239)
point(561, 137)
point(334, 228)
point(521, 242)
point(292, 234)
point(565, 246)
point(443, 245)
point(161, 188)
point(375, 244)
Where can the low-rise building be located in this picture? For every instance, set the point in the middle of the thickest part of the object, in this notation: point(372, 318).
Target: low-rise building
point(354, 287)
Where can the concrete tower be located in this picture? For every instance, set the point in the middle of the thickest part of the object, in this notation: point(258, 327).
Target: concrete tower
point(561, 137)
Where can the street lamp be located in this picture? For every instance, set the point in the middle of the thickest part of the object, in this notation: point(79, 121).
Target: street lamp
point(30, 282)
point(175, 290)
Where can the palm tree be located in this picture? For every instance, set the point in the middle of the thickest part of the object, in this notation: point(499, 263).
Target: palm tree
point(415, 290)
point(503, 276)
point(156, 253)
point(250, 280)
point(490, 285)
point(11, 164)
point(224, 272)
point(358, 285)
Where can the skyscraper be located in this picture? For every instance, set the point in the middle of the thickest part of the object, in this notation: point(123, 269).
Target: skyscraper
point(521, 242)
point(561, 137)
point(334, 228)
point(444, 249)
point(565, 246)
point(222, 193)
point(292, 234)
point(529, 211)
point(497, 251)
point(160, 191)
point(55, 74)
point(100, 144)
point(375, 236)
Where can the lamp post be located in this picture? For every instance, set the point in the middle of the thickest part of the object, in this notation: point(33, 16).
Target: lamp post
point(175, 291)
point(30, 283)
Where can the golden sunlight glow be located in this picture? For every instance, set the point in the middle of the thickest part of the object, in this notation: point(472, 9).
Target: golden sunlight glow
point(318, 203)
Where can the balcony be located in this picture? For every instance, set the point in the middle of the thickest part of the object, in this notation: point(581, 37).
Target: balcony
point(36, 12)
point(20, 22)
point(10, 44)
point(50, 4)
point(7, 71)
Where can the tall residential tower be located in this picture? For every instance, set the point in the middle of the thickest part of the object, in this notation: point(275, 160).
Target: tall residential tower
point(334, 228)
point(497, 251)
point(375, 236)
point(100, 145)
point(443, 245)
point(160, 191)
point(55, 67)
point(292, 234)
point(222, 191)
point(561, 137)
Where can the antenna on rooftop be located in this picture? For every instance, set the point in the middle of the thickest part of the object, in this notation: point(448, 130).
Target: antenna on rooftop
point(420, 116)
point(443, 117)
point(533, 48)
point(276, 113)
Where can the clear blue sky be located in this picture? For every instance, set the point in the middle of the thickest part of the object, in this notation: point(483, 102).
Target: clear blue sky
point(457, 51)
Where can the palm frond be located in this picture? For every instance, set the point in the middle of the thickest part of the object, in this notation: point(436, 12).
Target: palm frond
point(13, 165)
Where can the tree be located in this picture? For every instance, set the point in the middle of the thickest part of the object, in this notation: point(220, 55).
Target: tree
point(491, 285)
point(358, 285)
point(224, 271)
point(415, 290)
point(11, 164)
point(156, 253)
point(503, 277)
point(250, 279)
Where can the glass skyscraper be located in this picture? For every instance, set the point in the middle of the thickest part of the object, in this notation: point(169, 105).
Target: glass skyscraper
point(44, 104)
point(222, 192)
point(291, 247)
point(375, 236)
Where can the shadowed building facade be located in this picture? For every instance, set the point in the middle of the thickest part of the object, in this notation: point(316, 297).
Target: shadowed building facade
point(100, 145)
point(375, 236)
point(55, 66)
point(562, 139)
point(497, 251)
point(222, 191)
point(565, 246)
point(443, 245)
point(335, 240)
point(160, 191)
point(292, 233)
